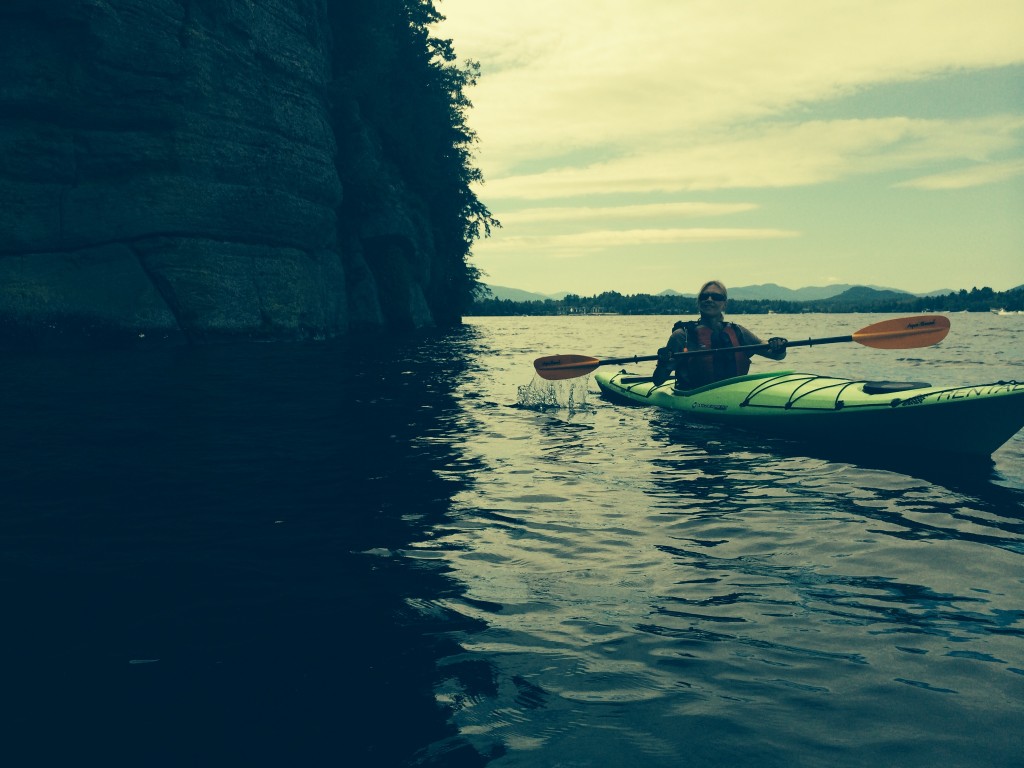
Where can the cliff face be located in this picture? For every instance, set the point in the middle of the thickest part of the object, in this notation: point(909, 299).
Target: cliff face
point(175, 166)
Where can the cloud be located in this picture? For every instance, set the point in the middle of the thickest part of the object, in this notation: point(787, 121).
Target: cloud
point(570, 215)
point(975, 176)
point(601, 125)
point(579, 76)
point(580, 243)
point(776, 155)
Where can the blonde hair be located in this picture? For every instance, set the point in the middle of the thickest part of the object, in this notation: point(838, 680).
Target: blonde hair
point(719, 283)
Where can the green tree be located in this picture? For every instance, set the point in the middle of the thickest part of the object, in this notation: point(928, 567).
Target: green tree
point(409, 86)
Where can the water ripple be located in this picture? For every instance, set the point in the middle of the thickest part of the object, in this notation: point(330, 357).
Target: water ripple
point(653, 587)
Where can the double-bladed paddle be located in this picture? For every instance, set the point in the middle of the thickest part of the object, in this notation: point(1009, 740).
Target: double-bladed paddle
point(899, 333)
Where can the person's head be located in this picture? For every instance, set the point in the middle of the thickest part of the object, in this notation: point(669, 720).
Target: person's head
point(711, 298)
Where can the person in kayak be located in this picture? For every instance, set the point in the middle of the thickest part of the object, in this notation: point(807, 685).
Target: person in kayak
point(710, 331)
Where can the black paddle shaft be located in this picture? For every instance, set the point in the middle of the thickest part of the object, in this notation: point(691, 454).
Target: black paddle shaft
point(718, 350)
point(751, 347)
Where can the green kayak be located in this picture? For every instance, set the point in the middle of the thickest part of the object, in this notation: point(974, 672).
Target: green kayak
point(901, 417)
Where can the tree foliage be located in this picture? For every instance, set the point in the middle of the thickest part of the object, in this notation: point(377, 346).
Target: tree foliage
point(410, 87)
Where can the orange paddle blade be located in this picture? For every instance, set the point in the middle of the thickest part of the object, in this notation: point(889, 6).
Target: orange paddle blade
point(904, 332)
point(558, 367)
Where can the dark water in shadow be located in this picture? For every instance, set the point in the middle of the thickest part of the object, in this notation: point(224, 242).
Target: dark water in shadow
point(408, 552)
point(195, 554)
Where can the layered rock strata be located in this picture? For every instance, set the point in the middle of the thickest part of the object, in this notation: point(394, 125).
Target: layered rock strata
point(172, 167)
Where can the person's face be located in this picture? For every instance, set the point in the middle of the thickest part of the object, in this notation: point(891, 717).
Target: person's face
point(711, 301)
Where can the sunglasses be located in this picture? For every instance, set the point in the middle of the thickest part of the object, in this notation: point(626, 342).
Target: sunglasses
point(713, 296)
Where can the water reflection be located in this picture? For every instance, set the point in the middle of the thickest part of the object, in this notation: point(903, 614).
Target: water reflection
point(801, 558)
point(651, 591)
point(976, 477)
point(209, 553)
point(373, 553)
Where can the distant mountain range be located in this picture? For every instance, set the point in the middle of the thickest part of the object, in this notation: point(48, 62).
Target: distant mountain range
point(765, 291)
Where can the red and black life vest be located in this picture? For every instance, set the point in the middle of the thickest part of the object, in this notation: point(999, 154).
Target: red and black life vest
point(704, 369)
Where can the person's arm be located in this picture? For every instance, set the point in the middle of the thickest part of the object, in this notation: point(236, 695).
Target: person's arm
point(666, 360)
point(777, 350)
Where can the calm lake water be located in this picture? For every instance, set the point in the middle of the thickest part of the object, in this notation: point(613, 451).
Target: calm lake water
point(414, 553)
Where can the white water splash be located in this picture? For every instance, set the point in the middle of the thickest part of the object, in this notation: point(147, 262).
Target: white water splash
point(543, 395)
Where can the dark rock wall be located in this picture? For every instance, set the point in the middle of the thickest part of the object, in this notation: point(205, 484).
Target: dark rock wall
point(172, 166)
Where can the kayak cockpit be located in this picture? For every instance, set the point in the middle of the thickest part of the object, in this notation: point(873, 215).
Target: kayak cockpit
point(891, 387)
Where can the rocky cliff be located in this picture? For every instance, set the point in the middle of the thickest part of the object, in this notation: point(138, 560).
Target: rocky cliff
point(204, 168)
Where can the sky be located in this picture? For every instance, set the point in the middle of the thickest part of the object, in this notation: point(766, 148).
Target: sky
point(656, 144)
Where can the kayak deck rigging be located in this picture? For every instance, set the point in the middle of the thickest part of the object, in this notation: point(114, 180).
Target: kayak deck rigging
point(787, 378)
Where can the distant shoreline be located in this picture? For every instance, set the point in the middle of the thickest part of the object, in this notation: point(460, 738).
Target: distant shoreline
point(858, 299)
